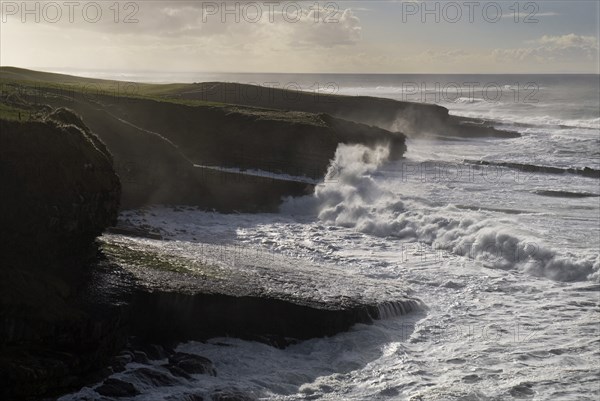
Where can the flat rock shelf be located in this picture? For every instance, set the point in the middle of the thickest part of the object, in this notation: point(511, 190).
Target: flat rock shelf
point(182, 290)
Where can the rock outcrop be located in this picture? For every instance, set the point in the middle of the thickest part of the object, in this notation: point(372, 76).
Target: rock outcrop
point(65, 311)
point(162, 144)
point(154, 170)
point(291, 142)
point(59, 191)
point(262, 297)
point(296, 143)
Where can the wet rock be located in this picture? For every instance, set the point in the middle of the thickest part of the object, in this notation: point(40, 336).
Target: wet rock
point(192, 364)
point(140, 357)
point(152, 351)
point(389, 392)
point(186, 397)
point(232, 395)
point(154, 377)
point(177, 371)
point(155, 352)
point(117, 388)
point(471, 378)
point(125, 357)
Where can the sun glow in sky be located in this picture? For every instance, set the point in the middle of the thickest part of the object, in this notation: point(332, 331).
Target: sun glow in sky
point(318, 37)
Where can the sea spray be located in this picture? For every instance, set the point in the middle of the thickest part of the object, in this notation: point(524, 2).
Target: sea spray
point(351, 196)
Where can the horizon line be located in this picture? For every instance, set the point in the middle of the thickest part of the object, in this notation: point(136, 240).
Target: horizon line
point(64, 69)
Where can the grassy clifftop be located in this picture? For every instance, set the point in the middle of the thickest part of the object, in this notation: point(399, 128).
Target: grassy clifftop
point(158, 138)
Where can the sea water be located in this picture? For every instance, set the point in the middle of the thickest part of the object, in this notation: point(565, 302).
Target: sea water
point(506, 259)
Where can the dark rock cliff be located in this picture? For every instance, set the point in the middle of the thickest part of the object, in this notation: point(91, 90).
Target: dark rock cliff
point(59, 191)
point(156, 145)
point(411, 118)
point(155, 170)
point(296, 143)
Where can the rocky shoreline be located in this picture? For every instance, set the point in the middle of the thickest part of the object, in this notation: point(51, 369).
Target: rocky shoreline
point(71, 306)
point(82, 297)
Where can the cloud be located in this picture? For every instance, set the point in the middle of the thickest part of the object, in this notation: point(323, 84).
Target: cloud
point(529, 16)
point(295, 23)
point(570, 40)
point(314, 27)
point(565, 48)
point(190, 36)
point(343, 28)
point(442, 56)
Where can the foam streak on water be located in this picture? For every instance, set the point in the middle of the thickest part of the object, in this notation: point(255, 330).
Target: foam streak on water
point(508, 272)
point(488, 333)
point(492, 331)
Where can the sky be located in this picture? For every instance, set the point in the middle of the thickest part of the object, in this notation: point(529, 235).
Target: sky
point(302, 37)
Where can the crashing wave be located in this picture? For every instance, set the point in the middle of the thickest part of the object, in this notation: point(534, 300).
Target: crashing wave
point(350, 197)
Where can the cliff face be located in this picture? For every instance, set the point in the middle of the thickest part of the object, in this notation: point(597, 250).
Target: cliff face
point(59, 190)
point(368, 110)
point(153, 169)
point(156, 145)
point(296, 143)
point(413, 119)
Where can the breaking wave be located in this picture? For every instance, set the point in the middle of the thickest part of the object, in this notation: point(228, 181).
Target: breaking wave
point(351, 197)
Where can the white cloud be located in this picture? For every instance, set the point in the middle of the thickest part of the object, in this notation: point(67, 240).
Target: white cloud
point(343, 28)
point(570, 40)
point(529, 16)
point(565, 48)
point(187, 36)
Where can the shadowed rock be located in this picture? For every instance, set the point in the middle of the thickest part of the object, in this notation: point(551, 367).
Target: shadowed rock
point(117, 388)
point(59, 191)
point(192, 364)
point(153, 377)
point(275, 300)
point(231, 395)
point(413, 119)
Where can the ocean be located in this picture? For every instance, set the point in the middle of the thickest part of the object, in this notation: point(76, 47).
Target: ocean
point(498, 237)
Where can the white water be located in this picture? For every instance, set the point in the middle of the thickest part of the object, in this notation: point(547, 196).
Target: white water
point(510, 277)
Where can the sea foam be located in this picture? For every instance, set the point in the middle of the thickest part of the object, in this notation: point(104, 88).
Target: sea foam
point(352, 197)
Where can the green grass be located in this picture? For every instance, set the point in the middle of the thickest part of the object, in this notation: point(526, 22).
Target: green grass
point(43, 84)
point(8, 113)
point(123, 91)
point(90, 91)
point(299, 117)
point(46, 79)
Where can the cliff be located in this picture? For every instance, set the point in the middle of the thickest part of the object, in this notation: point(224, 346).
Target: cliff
point(295, 143)
point(162, 145)
point(66, 308)
point(411, 118)
point(59, 191)
point(58, 185)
